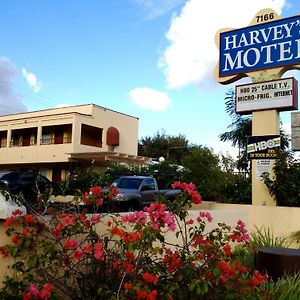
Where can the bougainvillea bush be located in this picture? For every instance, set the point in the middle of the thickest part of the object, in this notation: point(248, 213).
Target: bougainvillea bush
point(157, 253)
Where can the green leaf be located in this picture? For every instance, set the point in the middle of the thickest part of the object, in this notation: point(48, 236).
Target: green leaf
point(14, 252)
point(18, 266)
point(32, 262)
point(217, 272)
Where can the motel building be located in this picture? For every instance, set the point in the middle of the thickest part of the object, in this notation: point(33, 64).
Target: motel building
point(55, 141)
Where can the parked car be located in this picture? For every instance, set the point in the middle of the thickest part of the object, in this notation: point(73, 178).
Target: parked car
point(28, 184)
point(135, 192)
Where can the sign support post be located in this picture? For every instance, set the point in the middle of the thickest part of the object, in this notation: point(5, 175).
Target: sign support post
point(263, 123)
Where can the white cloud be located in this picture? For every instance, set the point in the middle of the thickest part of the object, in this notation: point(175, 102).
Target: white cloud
point(63, 105)
point(32, 80)
point(9, 101)
point(157, 8)
point(192, 54)
point(150, 99)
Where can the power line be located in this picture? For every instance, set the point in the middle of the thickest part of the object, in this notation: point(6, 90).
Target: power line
point(25, 94)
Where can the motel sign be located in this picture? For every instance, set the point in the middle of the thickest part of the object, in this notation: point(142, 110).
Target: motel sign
point(263, 51)
point(267, 45)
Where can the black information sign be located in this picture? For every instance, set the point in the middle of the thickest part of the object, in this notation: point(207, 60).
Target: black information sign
point(263, 147)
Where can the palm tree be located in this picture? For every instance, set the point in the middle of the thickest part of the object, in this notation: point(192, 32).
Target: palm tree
point(240, 129)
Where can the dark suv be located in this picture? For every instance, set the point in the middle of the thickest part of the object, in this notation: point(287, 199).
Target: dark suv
point(28, 184)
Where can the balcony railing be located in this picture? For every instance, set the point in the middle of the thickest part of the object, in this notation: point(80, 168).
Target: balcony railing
point(22, 143)
point(57, 140)
point(3, 144)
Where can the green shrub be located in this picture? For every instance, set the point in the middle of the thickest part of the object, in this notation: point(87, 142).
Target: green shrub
point(285, 288)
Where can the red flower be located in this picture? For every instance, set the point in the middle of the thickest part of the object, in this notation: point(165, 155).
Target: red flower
point(33, 292)
point(29, 219)
point(257, 279)
point(190, 189)
point(87, 249)
point(227, 250)
point(58, 229)
point(96, 190)
point(28, 231)
point(17, 212)
point(9, 221)
point(152, 295)
point(46, 291)
point(27, 296)
point(128, 285)
point(16, 239)
point(173, 260)
point(99, 201)
point(130, 255)
point(127, 267)
point(150, 278)
point(119, 232)
point(133, 237)
point(141, 294)
point(86, 199)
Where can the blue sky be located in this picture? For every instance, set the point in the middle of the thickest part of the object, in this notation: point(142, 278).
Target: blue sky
point(153, 59)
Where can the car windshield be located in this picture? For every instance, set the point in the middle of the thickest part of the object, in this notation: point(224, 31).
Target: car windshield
point(128, 183)
point(9, 176)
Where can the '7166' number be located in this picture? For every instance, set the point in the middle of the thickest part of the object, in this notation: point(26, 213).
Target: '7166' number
point(264, 18)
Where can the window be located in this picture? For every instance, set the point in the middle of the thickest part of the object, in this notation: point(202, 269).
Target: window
point(3, 139)
point(46, 139)
point(24, 137)
point(57, 134)
point(149, 185)
point(91, 135)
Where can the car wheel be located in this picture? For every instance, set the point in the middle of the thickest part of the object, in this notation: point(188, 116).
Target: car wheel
point(132, 207)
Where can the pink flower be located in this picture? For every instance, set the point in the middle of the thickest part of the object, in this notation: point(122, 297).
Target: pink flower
point(159, 217)
point(46, 291)
point(189, 222)
point(169, 219)
point(98, 251)
point(206, 215)
point(67, 219)
point(33, 289)
point(78, 253)
point(95, 218)
point(71, 243)
point(241, 234)
point(136, 217)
